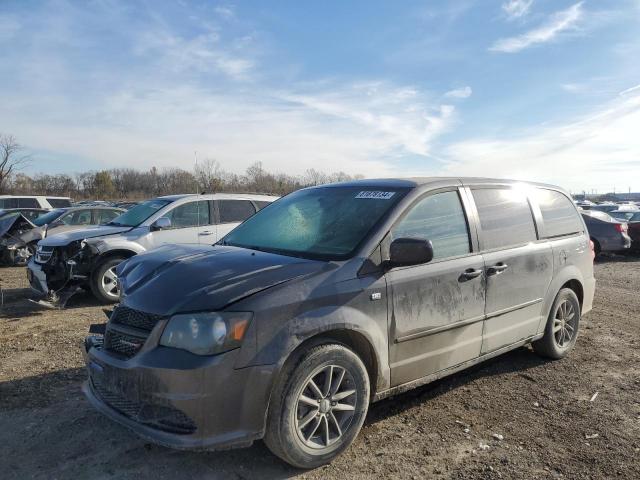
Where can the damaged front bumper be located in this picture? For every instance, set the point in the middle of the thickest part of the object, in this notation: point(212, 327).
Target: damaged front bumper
point(178, 399)
point(58, 273)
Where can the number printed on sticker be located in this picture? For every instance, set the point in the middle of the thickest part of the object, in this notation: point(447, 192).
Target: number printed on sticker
point(376, 195)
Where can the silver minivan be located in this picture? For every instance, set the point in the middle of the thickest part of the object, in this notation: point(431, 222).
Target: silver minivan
point(333, 297)
point(89, 257)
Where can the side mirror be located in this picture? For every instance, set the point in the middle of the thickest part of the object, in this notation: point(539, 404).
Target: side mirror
point(410, 251)
point(161, 224)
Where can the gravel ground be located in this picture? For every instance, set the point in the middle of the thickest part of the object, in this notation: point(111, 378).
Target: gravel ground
point(542, 410)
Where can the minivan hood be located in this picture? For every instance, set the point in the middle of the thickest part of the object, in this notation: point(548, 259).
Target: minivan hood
point(182, 278)
point(62, 239)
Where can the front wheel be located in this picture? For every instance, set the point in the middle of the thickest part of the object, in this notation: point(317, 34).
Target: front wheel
point(318, 406)
point(104, 282)
point(561, 331)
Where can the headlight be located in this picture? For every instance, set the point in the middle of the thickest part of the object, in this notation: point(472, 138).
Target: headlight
point(206, 333)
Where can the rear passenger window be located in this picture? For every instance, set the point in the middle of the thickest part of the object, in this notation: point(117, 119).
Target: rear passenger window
point(559, 215)
point(27, 203)
point(441, 219)
point(505, 217)
point(233, 211)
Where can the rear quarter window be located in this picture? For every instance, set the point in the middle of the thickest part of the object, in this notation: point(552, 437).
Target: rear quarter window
point(232, 211)
point(260, 204)
point(26, 203)
point(505, 217)
point(59, 202)
point(558, 213)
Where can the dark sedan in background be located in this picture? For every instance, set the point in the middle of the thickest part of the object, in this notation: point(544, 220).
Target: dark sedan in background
point(607, 233)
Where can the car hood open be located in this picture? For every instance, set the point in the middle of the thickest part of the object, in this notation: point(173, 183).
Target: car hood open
point(62, 239)
point(13, 223)
point(180, 278)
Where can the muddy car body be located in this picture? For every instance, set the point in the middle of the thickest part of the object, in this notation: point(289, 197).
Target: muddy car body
point(376, 287)
point(88, 257)
point(21, 238)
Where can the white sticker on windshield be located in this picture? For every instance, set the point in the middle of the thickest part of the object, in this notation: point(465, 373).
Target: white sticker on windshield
point(376, 195)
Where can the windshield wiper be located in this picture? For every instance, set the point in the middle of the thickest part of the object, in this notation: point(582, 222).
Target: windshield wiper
point(115, 224)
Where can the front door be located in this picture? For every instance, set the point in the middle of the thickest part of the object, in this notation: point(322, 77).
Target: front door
point(436, 308)
point(519, 268)
point(186, 221)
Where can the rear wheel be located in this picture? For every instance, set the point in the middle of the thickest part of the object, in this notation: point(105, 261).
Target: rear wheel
point(318, 406)
point(597, 249)
point(103, 282)
point(561, 331)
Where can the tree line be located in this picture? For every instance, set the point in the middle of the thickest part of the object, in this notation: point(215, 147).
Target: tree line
point(135, 184)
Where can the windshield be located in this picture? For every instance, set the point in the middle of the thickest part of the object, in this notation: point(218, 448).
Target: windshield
point(47, 217)
point(325, 222)
point(139, 213)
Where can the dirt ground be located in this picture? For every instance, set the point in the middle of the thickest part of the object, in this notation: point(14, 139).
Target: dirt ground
point(542, 409)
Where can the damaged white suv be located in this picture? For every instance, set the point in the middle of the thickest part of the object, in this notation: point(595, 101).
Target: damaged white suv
point(88, 258)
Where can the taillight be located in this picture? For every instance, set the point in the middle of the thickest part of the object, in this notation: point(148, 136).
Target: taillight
point(592, 247)
point(621, 227)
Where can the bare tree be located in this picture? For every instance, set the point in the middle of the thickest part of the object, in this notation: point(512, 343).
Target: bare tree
point(11, 159)
point(208, 174)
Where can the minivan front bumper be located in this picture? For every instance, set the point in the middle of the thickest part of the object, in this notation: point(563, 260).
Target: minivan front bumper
point(180, 400)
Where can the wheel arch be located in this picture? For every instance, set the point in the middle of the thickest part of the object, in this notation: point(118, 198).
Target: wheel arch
point(352, 339)
point(120, 252)
point(569, 277)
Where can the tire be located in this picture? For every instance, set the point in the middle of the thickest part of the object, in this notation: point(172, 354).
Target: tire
point(288, 422)
point(564, 318)
point(597, 249)
point(104, 272)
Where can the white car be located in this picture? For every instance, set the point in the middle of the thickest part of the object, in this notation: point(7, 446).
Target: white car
point(34, 201)
point(89, 257)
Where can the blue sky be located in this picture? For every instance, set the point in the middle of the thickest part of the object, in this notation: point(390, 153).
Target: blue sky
point(545, 90)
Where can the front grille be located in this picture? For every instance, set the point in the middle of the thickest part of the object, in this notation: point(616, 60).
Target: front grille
point(127, 331)
point(134, 318)
point(166, 418)
point(123, 344)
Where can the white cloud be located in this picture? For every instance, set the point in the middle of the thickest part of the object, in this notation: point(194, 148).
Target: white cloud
point(358, 128)
point(630, 90)
point(558, 23)
point(225, 12)
point(516, 8)
point(464, 92)
point(170, 89)
point(600, 151)
point(201, 53)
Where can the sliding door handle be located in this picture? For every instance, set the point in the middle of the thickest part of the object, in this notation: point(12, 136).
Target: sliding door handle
point(497, 269)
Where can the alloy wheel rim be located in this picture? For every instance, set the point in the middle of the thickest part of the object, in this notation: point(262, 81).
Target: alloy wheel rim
point(325, 406)
point(564, 324)
point(110, 282)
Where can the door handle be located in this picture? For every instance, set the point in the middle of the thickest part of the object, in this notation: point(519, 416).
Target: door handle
point(206, 232)
point(497, 269)
point(468, 274)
